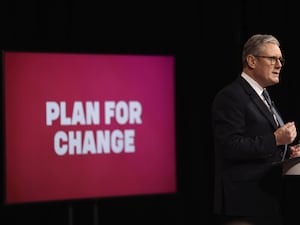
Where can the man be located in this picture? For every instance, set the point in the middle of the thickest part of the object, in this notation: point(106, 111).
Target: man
point(251, 139)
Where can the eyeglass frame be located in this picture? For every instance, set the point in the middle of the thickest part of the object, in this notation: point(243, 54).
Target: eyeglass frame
point(273, 59)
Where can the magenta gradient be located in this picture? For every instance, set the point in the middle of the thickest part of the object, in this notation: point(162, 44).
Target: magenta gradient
point(34, 172)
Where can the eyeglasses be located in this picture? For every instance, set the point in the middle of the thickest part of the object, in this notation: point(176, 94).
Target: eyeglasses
point(273, 59)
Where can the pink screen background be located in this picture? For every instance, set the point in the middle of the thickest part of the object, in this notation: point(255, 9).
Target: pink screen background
point(34, 172)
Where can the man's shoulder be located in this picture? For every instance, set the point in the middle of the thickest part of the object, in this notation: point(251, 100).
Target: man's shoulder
point(233, 88)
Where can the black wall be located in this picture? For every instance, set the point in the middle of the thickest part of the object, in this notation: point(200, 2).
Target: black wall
point(206, 39)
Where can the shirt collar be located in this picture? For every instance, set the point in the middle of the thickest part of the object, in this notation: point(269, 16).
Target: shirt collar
point(258, 89)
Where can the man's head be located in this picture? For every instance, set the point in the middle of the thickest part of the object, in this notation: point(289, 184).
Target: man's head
point(262, 59)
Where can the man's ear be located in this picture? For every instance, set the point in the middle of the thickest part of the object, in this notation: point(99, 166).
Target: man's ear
point(251, 61)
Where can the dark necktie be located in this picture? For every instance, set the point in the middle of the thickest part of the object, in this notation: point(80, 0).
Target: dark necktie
point(276, 115)
point(272, 108)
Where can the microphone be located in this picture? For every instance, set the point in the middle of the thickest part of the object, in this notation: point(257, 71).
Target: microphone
point(284, 152)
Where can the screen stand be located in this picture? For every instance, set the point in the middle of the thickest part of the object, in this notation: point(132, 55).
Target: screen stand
point(70, 214)
point(95, 213)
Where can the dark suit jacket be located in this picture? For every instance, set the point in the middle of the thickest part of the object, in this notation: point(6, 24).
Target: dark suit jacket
point(247, 160)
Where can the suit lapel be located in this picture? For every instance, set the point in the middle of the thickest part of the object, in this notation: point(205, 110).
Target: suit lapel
point(261, 106)
point(264, 109)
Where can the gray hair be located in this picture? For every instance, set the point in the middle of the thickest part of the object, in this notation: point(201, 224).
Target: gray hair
point(255, 45)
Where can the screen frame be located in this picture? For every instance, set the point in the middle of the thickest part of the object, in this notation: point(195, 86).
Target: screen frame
point(3, 116)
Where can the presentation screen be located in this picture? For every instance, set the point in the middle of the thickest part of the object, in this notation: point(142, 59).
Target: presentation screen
point(88, 125)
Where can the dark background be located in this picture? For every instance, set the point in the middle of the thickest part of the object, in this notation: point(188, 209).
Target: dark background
point(206, 38)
